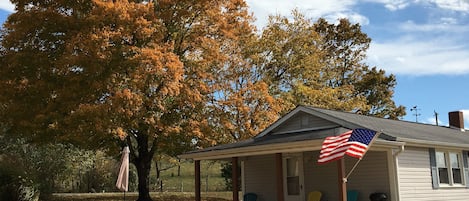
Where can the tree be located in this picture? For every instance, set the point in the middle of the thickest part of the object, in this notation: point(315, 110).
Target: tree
point(242, 104)
point(345, 47)
point(295, 66)
point(97, 72)
point(322, 64)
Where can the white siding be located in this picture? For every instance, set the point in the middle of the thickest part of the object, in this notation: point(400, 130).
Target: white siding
point(320, 177)
point(371, 175)
point(260, 177)
point(415, 181)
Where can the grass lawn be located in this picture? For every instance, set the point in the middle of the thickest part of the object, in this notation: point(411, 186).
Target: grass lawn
point(210, 180)
point(166, 196)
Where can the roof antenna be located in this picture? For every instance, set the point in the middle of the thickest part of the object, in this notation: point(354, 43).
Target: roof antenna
point(416, 113)
point(436, 117)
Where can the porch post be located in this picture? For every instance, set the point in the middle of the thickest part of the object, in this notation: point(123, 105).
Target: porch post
point(342, 183)
point(234, 178)
point(279, 173)
point(197, 179)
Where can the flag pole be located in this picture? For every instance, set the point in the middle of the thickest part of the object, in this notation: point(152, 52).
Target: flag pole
point(360, 159)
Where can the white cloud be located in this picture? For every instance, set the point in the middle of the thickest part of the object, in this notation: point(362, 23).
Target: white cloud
point(392, 5)
point(331, 10)
point(419, 57)
point(445, 25)
point(465, 114)
point(432, 120)
point(7, 5)
point(419, 49)
point(455, 5)
point(351, 16)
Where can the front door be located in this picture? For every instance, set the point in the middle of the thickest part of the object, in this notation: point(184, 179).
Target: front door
point(293, 177)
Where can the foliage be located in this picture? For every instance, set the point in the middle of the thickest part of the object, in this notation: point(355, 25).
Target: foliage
point(41, 165)
point(57, 168)
point(165, 77)
point(15, 184)
point(227, 174)
point(91, 72)
point(345, 47)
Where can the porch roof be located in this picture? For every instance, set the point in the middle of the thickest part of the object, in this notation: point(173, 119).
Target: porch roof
point(394, 132)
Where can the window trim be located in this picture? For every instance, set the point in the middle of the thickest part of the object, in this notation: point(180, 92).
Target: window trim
point(464, 166)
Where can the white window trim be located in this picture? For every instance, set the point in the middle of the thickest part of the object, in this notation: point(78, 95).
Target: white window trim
point(449, 169)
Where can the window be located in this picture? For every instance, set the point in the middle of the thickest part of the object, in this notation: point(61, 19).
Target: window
point(448, 168)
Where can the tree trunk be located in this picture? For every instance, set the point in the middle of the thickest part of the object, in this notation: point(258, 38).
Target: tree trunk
point(142, 163)
point(143, 166)
point(159, 182)
point(179, 167)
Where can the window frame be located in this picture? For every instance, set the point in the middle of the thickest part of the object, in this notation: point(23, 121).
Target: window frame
point(462, 159)
point(449, 168)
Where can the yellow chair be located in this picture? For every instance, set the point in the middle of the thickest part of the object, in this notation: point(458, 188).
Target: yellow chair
point(314, 196)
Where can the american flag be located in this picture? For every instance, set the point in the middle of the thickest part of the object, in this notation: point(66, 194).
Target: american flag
point(353, 143)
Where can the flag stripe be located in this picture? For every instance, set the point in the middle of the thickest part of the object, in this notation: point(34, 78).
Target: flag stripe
point(353, 143)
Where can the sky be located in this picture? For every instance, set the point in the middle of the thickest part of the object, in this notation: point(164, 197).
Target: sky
point(424, 43)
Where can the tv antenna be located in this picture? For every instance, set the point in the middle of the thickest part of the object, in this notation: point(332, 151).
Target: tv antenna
point(416, 113)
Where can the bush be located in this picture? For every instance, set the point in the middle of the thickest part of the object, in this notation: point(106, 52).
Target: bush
point(14, 183)
point(226, 173)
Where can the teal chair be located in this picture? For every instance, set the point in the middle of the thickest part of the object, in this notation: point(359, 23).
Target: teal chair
point(352, 195)
point(250, 197)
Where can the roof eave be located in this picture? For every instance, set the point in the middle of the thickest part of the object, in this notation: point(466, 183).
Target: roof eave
point(288, 147)
point(434, 144)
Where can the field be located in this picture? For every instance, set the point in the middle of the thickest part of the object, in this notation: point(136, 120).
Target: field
point(176, 185)
point(210, 178)
point(206, 196)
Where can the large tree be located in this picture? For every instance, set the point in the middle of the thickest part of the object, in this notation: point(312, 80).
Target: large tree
point(294, 64)
point(345, 46)
point(95, 72)
point(323, 64)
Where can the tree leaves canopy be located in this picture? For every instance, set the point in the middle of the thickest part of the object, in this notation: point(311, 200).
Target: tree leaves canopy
point(168, 76)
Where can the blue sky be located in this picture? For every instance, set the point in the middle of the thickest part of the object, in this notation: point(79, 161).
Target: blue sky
point(425, 43)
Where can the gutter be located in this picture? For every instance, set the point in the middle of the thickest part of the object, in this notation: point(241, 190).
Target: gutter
point(288, 147)
point(426, 143)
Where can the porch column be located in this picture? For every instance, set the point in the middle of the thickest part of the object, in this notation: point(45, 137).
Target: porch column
point(234, 178)
point(341, 182)
point(279, 173)
point(197, 179)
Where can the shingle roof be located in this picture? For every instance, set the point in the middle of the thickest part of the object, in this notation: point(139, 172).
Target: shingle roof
point(272, 139)
point(392, 130)
point(401, 130)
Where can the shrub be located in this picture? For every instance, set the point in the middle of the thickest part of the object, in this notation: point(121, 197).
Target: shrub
point(15, 184)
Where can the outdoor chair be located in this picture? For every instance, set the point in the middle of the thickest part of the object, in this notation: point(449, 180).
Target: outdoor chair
point(314, 196)
point(250, 197)
point(352, 195)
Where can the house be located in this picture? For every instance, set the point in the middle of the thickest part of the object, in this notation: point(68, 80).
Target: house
point(409, 161)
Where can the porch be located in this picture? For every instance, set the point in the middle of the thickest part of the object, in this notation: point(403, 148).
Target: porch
point(290, 176)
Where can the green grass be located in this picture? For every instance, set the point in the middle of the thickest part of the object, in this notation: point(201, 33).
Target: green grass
point(210, 180)
point(173, 196)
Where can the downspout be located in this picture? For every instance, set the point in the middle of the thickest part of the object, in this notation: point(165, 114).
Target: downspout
point(401, 148)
